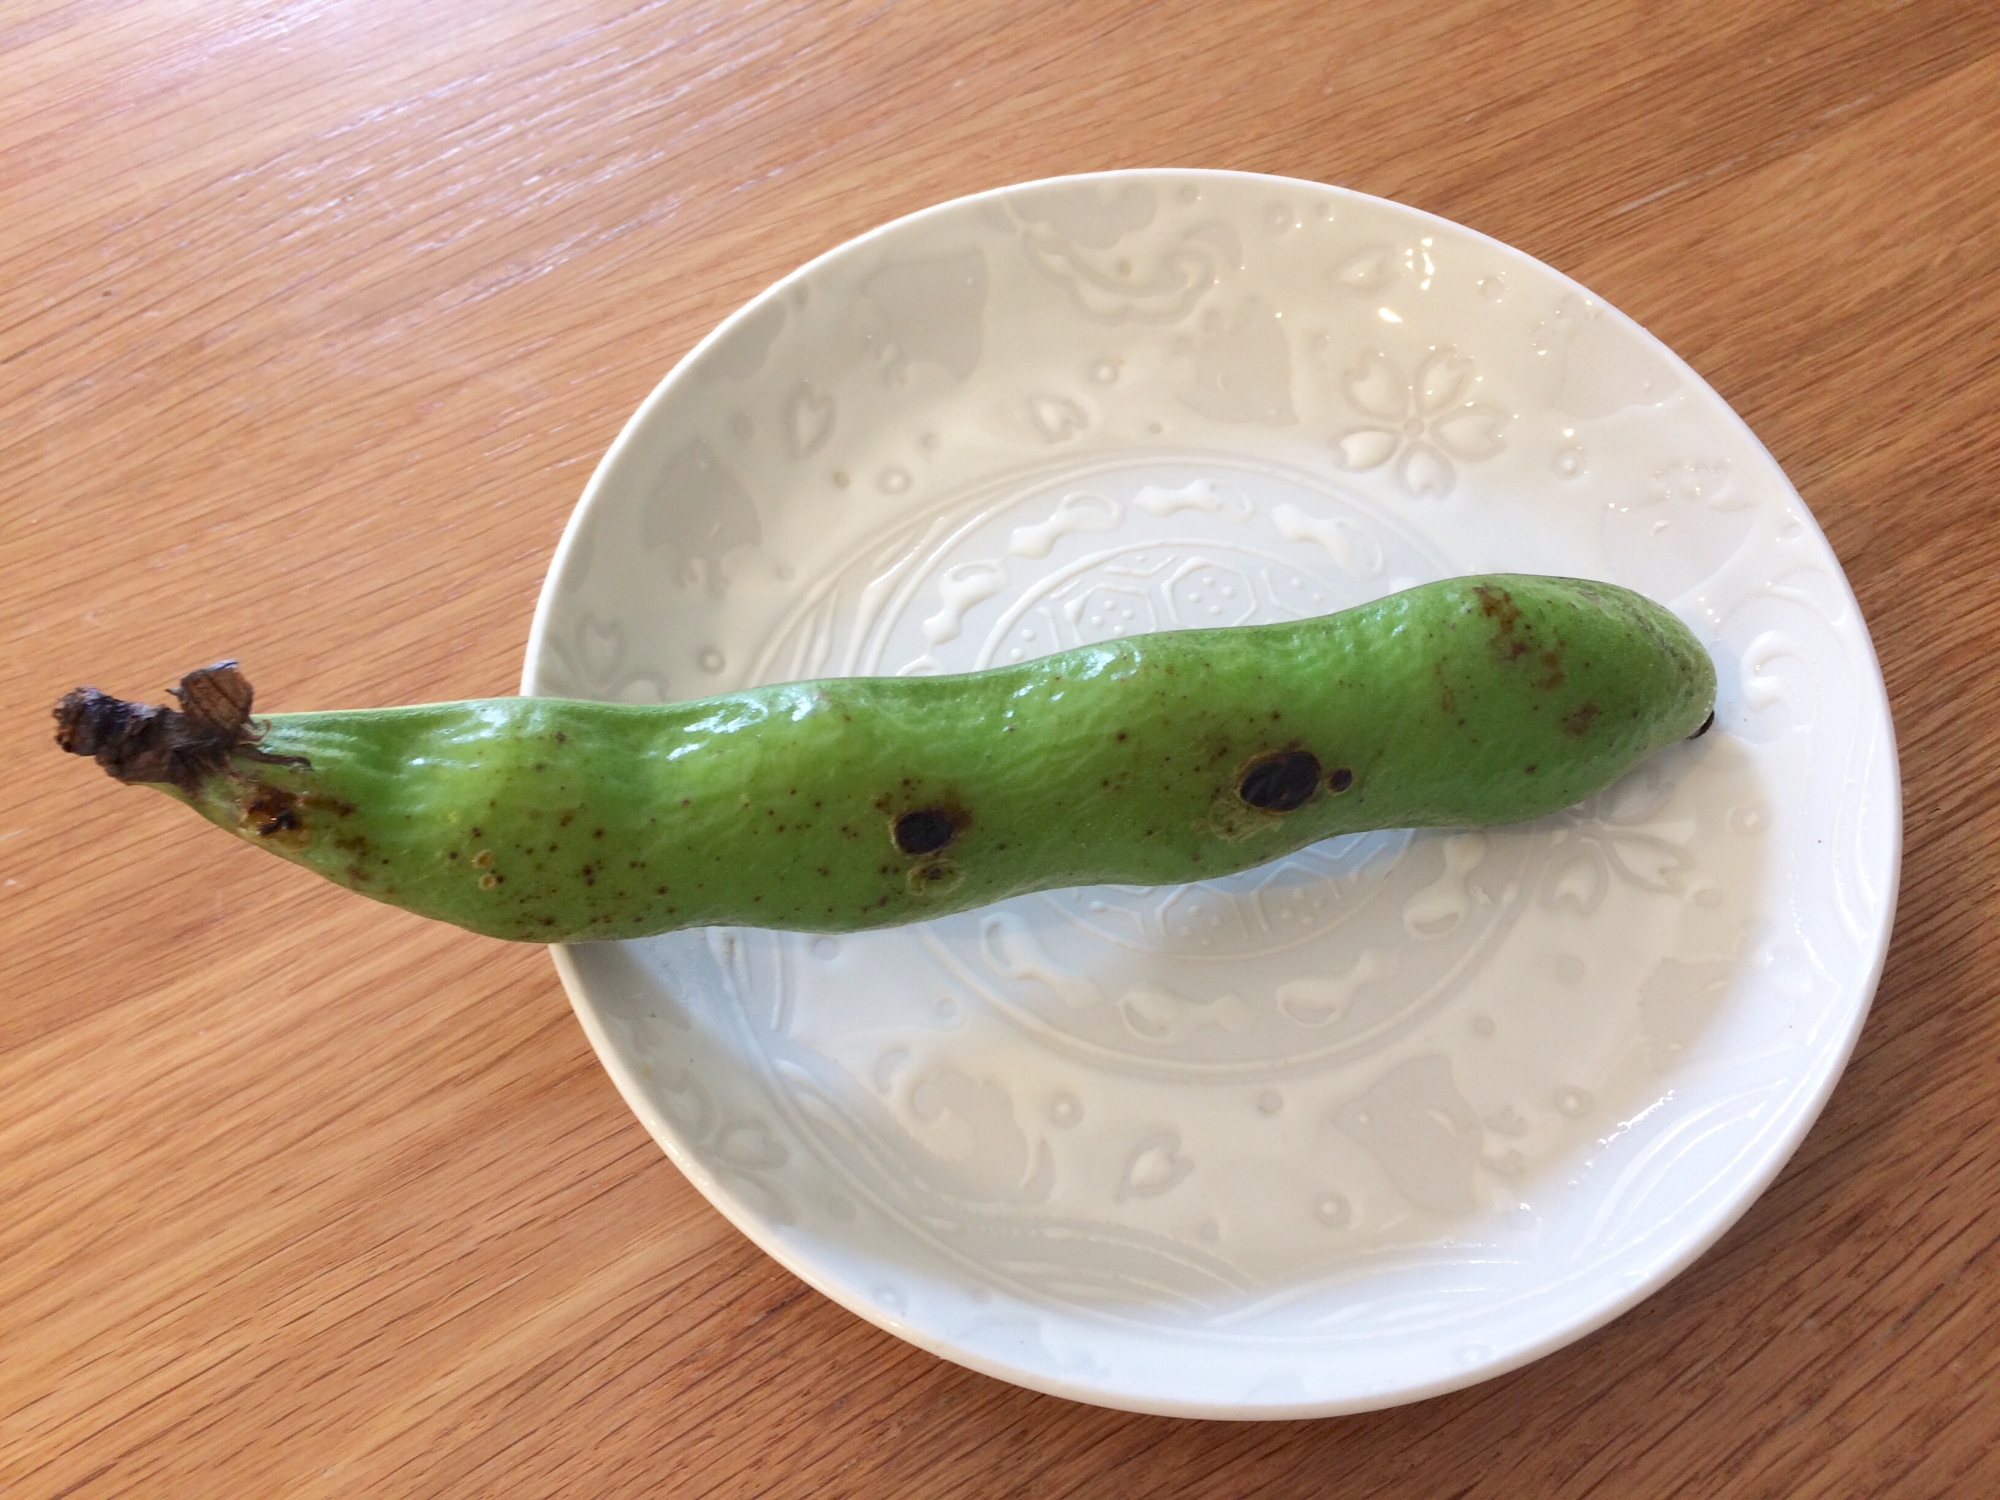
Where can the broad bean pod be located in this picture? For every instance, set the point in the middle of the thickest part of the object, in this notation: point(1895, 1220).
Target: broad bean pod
point(846, 804)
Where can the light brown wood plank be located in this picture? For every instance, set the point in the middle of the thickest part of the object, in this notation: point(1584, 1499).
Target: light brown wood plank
point(315, 320)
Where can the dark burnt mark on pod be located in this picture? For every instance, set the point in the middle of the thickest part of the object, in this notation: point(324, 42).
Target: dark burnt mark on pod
point(925, 830)
point(1447, 699)
point(1498, 605)
point(935, 877)
point(1578, 720)
point(272, 811)
point(1281, 781)
point(1340, 780)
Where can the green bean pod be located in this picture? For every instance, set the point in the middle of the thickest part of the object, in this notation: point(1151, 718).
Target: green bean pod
point(853, 803)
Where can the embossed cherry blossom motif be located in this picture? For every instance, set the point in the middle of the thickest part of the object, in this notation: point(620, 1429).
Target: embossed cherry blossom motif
point(1619, 832)
point(1427, 421)
point(738, 1146)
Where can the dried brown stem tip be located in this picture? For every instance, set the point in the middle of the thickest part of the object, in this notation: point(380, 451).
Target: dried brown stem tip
point(151, 742)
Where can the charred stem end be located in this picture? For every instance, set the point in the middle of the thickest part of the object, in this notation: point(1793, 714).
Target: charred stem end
point(180, 747)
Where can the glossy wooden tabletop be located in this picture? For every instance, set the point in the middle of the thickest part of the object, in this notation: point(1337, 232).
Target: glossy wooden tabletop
point(314, 318)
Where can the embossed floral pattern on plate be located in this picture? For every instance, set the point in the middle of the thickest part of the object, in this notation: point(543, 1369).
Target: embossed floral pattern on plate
point(1369, 1123)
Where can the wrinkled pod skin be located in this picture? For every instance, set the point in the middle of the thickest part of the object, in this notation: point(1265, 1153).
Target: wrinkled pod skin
point(846, 804)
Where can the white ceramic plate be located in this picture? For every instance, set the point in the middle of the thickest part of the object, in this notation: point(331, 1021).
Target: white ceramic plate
point(1376, 1121)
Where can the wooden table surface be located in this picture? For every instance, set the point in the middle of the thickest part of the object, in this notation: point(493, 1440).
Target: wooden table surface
point(314, 319)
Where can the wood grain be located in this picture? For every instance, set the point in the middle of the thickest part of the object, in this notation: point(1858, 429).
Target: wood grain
point(314, 319)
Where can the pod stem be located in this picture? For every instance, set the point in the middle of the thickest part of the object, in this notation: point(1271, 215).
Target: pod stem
point(180, 747)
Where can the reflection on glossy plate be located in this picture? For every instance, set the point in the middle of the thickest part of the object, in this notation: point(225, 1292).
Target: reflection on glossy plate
point(1376, 1121)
